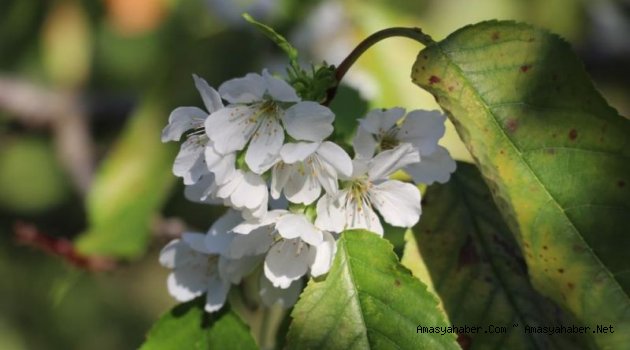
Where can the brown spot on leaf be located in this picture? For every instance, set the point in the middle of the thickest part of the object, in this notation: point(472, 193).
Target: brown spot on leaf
point(570, 285)
point(467, 254)
point(397, 283)
point(502, 152)
point(621, 183)
point(525, 68)
point(511, 125)
point(573, 134)
point(464, 341)
point(561, 270)
point(545, 247)
point(531, 40)
point(551, 151)
point(495, 36)
point(578, 248)
point(451, 88)
point(434, 79)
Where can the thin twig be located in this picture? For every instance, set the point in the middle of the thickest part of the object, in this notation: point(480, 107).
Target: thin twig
point(411, 33)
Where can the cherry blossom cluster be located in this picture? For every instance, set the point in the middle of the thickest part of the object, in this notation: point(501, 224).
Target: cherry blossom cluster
point(266, 153)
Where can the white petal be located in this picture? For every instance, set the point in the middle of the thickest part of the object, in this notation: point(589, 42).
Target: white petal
point(181, 120)
point(326, 175)
point(387, 162)
point(398, 202)
point(262, 152)
point(250, 193)
point(222, 166)
point(255, 243)
point(363, 216)
point(423, 129)
point(230, 128)
point(321, 256)
point(171, 254)
point(378, 121)
point(219, 236)
point(298, 151)
point(331, 213)
point(279, 177)
point(248, 226)
point(203, 191)
point(210, 96)
point(337, 157)
point(360, 167)
point(196, 241)
point(302, 186)
point(364, 144)
point(234, 270)
point(285, 298)
point(286, 263)
point(308, 121)
point(217, 293)
point(248, 89)
point(257, 212)
point(279, 89)
point(295, 225)
point(189, 163)
point(187, 283)
point(435, 167)
point(225, 190)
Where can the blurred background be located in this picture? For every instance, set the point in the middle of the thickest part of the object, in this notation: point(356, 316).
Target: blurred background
point(87, 198)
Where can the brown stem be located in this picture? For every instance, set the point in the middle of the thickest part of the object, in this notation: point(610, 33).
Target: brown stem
point(411, 33)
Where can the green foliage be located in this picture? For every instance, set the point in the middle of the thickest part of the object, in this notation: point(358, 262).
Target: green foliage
point(188, 326)
point(278, 39)
point(555, 156)
point(478, 268)
point(368, 300)
point(130, 187)
point(31, 179)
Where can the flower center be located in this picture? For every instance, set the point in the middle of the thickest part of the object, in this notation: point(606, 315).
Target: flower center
point(358, 190)
point(388, 139)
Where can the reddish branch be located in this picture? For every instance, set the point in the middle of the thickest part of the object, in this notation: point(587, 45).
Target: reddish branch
point(29, 235)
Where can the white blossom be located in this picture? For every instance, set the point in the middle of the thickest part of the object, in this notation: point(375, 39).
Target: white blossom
point(200, 264)
point(382, 130)
point(306, 167)
point(368, 189)
point(189, 162)
point(293, 246)
point(261, 109)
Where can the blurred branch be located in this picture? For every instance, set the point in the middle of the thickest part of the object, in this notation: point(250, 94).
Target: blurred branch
point(28, 234)
point(61, 111)
point(169, 228)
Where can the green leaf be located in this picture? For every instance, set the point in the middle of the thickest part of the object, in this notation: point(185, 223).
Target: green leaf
point(275, 37)
point(478, 269)
point(130, 187)
point(188, 326)
point(367, 301)
point(555, 155)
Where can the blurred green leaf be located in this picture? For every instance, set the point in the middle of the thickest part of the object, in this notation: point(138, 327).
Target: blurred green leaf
point(555, 155)
point(188, 326)
point(478, 268)
point(31, 179)
point(66, 44)
point(130, 187)
point(348, 106)
point(367, 301)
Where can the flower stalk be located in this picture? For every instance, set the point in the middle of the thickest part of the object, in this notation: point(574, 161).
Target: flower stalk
point(413, 33)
